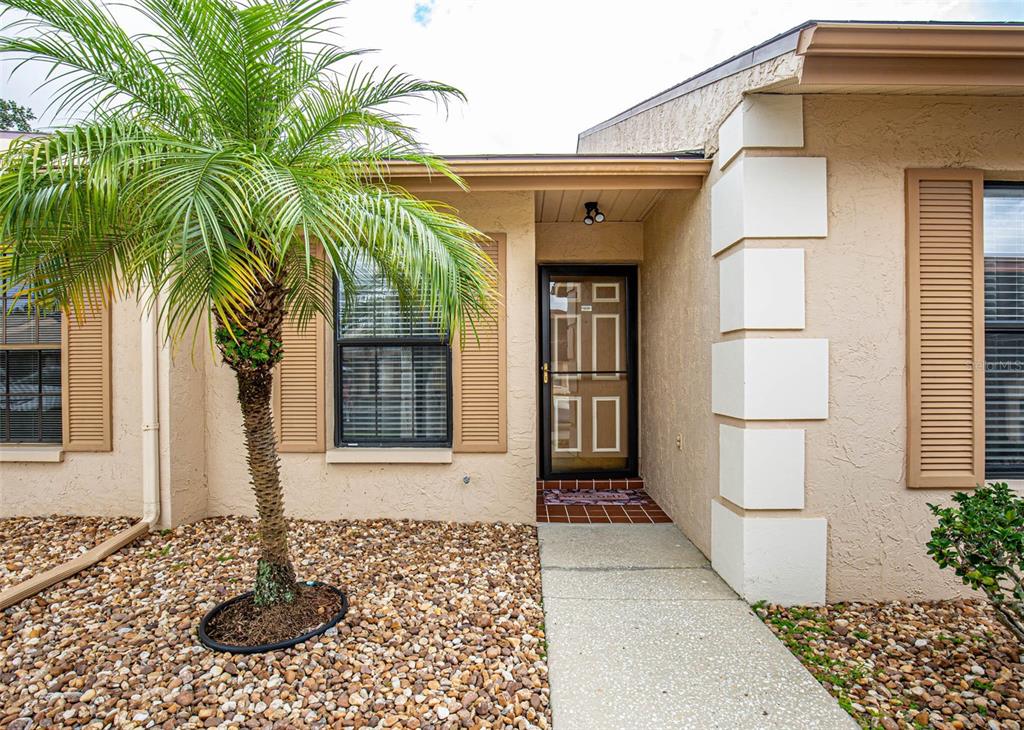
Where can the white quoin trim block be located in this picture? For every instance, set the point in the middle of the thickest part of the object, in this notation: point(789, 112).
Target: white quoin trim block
point(777, 559)
point(769, 197)
point(770, 379)
point(761, 288)
point(761, 120)
point(761, 468)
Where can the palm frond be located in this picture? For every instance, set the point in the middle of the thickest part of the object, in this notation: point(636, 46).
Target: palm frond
point(224, 153)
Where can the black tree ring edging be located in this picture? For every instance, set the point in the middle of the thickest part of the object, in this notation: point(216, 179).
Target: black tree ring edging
point(262, 648)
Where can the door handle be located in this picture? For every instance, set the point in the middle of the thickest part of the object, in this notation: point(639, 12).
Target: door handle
point(544, 369)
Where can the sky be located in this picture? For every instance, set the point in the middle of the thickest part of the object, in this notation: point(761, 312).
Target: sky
point(538, 72)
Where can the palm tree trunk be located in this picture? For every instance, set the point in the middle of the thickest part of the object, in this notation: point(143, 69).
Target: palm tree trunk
point(275, 576)
point(252, 348)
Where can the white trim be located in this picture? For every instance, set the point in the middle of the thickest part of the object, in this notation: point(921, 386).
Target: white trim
point(761, 121)
point(769, 197)
point(395, 455)
point(770, 378)
point(593, 346)
point(10, 454)
point(761, 468)
point(554, 423)
point(778, 559)
point(618, 423)
point(568, 285)
point(603, 300)
point(761, 289)
point(579, 342)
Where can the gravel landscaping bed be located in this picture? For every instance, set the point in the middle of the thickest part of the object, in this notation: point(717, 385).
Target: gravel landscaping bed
point(445, 630)
point(947, 664)
point(32, 545)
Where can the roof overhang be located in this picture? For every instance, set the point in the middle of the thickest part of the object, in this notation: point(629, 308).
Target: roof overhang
point(911, 54)
point(557, 172)
point(871, 57)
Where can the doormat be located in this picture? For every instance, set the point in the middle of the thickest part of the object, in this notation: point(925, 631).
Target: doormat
point(595, 496)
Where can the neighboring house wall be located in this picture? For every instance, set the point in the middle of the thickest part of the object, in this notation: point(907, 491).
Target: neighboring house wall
point(501, 486)
point(91, 483)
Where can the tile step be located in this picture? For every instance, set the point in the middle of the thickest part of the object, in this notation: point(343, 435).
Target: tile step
point(590, 484)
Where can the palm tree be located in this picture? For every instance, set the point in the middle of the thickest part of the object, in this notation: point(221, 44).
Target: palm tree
point(216, 154)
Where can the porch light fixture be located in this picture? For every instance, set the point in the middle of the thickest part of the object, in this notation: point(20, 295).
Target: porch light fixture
point(594, 214)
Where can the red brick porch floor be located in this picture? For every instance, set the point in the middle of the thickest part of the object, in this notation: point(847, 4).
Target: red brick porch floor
point(597, 502)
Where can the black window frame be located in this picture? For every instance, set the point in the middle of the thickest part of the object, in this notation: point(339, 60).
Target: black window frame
point(1011, 327)
point(39, 349)
point(340, 343)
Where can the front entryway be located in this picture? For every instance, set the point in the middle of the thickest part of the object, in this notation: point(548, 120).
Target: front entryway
point(588, 356)
point(597, 501)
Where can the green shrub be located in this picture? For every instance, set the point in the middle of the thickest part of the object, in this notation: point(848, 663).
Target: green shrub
point(982, 539)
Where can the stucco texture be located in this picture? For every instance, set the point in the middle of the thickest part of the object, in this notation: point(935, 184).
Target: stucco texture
point(679, 320)
point(855, 283)
point(101, 483)
point(855, 297)
point(690, 121)
point(501, 486)
point(602, 243)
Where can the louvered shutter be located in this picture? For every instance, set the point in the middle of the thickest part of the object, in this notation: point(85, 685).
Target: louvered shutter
point(299, 392)
point(945, 329)
point(479, 373)
point(85, 355)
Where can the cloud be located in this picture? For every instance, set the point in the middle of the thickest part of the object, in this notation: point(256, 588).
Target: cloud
point(423, 13)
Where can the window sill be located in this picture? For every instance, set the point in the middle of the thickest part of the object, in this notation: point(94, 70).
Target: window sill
point(31, 454)
point(355, 455)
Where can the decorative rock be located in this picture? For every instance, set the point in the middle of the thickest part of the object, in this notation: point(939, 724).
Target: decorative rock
point(945, 666)
point(444, 631)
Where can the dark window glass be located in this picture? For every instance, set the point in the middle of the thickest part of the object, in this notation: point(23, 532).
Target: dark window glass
point(30, 402)
point(1004, 330)
point(20, 327)
point(393, 370)
point(30, 399)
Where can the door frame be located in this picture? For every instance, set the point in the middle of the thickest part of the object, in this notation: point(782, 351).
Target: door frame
point(629, 272)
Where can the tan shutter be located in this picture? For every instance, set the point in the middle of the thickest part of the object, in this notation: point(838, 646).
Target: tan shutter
point(945, 329)
point(479, 373)
point(85, 369)
point(299, 394)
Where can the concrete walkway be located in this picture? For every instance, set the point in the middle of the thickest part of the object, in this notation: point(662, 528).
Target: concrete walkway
point(643, 634)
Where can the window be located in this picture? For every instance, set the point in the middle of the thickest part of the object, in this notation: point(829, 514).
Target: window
point(1004, 329)
point(30, 373)
point(392, 371)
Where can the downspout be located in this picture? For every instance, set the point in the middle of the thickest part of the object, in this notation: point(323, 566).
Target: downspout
point(149, 340)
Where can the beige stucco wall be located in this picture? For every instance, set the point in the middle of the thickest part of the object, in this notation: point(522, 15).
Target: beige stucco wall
point(502, 486)
point(679, 311)
point(856, 297)
point(602, 243)
point(103, 483)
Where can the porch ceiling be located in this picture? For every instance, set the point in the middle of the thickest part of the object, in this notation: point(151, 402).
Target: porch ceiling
point(566, 206)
